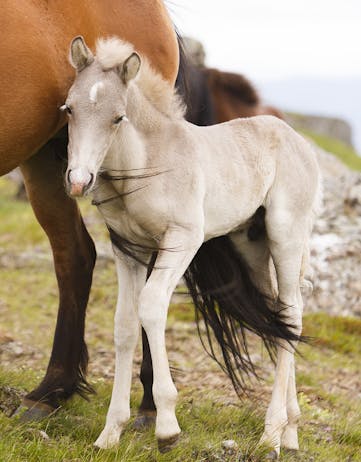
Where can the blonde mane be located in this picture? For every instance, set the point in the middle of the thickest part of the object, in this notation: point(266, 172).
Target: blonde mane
point(112, 52)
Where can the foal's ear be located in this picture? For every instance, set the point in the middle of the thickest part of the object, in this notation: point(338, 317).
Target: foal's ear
point(130, 68)
point(80, 55)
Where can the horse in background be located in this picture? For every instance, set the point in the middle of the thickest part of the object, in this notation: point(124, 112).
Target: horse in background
point(215, 96)
point(35, 78)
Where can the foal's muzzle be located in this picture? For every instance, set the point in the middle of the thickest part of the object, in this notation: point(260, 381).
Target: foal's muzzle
point(78, 181)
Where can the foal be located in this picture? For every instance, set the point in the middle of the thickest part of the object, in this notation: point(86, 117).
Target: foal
point(165, 185)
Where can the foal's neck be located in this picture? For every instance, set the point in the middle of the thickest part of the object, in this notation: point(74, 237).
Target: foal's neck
point(142, 113)
point(129, 150)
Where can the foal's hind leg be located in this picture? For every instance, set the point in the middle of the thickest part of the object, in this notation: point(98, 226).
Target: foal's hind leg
point(74, 258)
point(289, 438)
point(258, 257)
point(286, 245)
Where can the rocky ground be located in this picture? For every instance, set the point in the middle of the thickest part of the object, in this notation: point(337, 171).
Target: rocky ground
point(336, 242)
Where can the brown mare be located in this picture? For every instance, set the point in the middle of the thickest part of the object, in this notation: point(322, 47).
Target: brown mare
point(35, 81)
point(35, 78)
point(216, 96)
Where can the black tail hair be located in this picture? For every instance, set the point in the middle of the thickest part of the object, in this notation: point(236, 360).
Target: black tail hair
point(229, 304)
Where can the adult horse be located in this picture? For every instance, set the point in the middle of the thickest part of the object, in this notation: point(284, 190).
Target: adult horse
point(35, 78)
point(216, 96)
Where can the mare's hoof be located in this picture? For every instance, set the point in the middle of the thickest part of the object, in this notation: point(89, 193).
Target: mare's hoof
point(272, 455)
point(144, 420)
point(32, 411)
point(168, 444)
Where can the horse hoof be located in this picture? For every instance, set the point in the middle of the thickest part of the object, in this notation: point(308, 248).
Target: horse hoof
point(272, 455)
point(144, 420)
point(168, 444)
point(109, 437)
point(32, 411)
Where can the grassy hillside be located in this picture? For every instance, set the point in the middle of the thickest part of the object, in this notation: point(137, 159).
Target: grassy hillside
point(208, 410)
point(341, 150)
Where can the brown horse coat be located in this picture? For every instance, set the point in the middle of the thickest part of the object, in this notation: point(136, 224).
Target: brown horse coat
point(35, 78)
point(35, 73)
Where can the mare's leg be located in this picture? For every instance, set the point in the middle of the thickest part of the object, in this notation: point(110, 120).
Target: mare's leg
point(153, 308)
point(74, 258)
point(286, 241)
point(146, 413)
point(131, 279)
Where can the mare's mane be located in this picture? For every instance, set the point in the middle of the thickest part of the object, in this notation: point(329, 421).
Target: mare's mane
point(112, 52)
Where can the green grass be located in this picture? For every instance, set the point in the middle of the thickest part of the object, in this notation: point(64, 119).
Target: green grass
point(328, 371)
point(337, 333)
point(73, 429)
point(341, 150)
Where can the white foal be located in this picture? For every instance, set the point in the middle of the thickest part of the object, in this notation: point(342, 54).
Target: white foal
point(165, 185)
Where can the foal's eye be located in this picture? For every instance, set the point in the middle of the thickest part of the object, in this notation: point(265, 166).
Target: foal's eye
point(117, 120)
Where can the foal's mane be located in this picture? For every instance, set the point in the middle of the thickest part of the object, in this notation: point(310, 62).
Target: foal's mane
point(112, 52)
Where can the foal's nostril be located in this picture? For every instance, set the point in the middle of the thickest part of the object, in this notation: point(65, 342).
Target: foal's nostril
point(68, 177)
point(90, 182)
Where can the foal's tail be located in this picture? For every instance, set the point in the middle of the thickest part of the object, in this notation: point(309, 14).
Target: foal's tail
point(229, 304)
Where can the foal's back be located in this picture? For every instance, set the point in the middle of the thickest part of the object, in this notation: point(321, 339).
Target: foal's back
point(249, 162)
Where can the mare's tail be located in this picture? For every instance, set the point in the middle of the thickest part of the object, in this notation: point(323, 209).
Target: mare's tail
point(229, 304)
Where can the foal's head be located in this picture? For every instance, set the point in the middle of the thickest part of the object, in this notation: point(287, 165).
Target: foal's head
point(95, 106)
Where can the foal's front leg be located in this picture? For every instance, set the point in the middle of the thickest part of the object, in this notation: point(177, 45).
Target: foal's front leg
point(131, 279)
point(153, 308)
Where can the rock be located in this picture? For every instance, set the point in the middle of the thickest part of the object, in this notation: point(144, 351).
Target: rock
point(10, 399)
point(336, 242)
point(229, 444)
point(44, 435)
point(230, 447)
point(329, 126)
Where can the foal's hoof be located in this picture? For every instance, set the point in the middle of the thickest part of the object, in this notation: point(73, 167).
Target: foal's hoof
point(144, 420)
point(272, 455)
point(168, 444)
point(109, 437)
point(32, 411)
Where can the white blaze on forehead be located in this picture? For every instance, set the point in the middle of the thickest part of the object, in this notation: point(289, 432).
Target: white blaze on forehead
point(94, 91)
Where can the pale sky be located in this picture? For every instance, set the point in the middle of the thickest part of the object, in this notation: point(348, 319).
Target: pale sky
point(274, 39)
point(302, 55)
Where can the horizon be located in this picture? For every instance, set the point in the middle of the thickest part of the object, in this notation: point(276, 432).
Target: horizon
point(269, 46)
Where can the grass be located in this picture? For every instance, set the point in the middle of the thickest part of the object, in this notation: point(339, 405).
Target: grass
point(343, 151)
point(208, 411)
